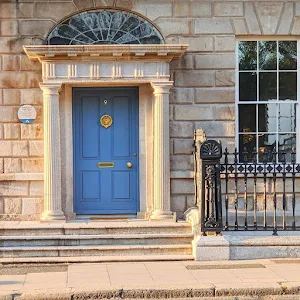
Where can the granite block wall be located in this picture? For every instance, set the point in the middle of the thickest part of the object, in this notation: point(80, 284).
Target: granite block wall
point(202, 97)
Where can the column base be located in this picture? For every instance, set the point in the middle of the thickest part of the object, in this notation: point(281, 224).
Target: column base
point(52, 217)
point(162, 215)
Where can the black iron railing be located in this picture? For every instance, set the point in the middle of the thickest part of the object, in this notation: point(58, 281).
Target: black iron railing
point(238, 192)
point(269, 186)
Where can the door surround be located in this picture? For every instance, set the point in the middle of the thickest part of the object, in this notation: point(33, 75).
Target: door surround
point(145, 66)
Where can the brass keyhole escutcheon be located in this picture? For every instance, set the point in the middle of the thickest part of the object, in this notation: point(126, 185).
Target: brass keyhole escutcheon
point(129, 165)
point(105, 102)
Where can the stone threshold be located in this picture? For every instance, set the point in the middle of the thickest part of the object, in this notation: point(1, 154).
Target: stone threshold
point(91, 224)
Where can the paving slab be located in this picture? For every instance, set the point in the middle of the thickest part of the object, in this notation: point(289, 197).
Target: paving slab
point(239, 280)
point(12, 282)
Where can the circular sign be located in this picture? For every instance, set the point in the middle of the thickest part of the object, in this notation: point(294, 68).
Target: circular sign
point(27, 114)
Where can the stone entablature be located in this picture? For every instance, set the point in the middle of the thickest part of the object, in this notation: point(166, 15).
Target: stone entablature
point(69, 64)
point(102, 65)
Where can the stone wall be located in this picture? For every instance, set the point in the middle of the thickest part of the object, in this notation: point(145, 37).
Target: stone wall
point(202, 97)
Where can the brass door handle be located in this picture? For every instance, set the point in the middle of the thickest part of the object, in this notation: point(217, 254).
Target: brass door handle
point(129, 165)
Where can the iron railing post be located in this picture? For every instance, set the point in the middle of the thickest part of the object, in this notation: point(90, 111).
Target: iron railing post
point(211, 207)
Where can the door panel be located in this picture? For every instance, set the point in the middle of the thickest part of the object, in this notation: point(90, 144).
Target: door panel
point(105, 190)
point(90, 135)
point(121, 130)
point(121, 191)
point(90, 179)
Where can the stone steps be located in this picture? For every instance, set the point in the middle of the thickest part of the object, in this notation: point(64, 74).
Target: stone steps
point(95, 241)
point(103, 250)
point(77, 240)
point(95, 228)
point(92, 259)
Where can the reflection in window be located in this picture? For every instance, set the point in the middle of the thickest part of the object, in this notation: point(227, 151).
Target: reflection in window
point(247, 55)
point(267, 55)
point(287, 55)
point(267, 98)
point(268, 86)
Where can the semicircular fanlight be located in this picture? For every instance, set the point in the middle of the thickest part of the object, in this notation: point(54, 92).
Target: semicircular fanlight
point(104, 27)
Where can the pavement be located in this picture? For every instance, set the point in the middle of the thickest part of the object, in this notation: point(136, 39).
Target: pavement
point(227, 280)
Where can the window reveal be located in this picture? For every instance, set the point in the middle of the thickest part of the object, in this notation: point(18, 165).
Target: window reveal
point(267, 97)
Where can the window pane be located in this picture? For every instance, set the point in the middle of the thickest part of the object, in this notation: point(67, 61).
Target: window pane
point(287, 143)
point(267, 55)
point(247, 142)
point(287, 86)
point(267, 86)
point(288, 55)
point(287, 117)
point(266, 146)
point(247, 55)
point(248, 86)
point(267, 118)
point(247, 118)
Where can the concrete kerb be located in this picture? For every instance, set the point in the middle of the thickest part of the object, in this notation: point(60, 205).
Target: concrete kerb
point(265, 291)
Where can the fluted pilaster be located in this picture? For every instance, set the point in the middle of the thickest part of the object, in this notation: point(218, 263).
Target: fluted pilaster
point(52, 155)
point(161, 203)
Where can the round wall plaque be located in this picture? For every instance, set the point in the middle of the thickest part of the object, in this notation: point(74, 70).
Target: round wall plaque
point(106, 121)
point(27, 114)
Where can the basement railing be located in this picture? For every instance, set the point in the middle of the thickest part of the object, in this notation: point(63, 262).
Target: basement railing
point(244, 191)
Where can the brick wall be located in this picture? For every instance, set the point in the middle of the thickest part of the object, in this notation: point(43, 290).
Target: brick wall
point(202, 97)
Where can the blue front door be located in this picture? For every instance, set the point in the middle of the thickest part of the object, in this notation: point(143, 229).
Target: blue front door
point(105, 157)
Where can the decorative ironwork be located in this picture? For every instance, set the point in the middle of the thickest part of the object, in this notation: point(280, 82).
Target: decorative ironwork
point(266, 200)
point(211, 212)
point(255, 196)
point(210, 150)
point(106, 26)
point(106, 121)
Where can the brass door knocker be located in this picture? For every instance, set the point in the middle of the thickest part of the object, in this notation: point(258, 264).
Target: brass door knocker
point(106, 121)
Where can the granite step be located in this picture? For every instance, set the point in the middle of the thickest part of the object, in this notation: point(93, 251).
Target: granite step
point(89, 250)
point(93, 228)
point(77, 240)
point(95, 259)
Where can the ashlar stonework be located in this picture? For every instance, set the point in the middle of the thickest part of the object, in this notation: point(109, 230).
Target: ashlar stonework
point(203, 94)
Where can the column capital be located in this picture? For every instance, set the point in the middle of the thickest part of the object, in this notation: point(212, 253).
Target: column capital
point(50, 88)
point(161, 87)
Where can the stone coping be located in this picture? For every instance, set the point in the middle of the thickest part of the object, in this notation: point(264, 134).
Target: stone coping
point(253, 241)
point(165, 52)
point(22, 177)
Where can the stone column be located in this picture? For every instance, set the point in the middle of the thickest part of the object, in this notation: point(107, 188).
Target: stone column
point(161, 176)
point(52, 156)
